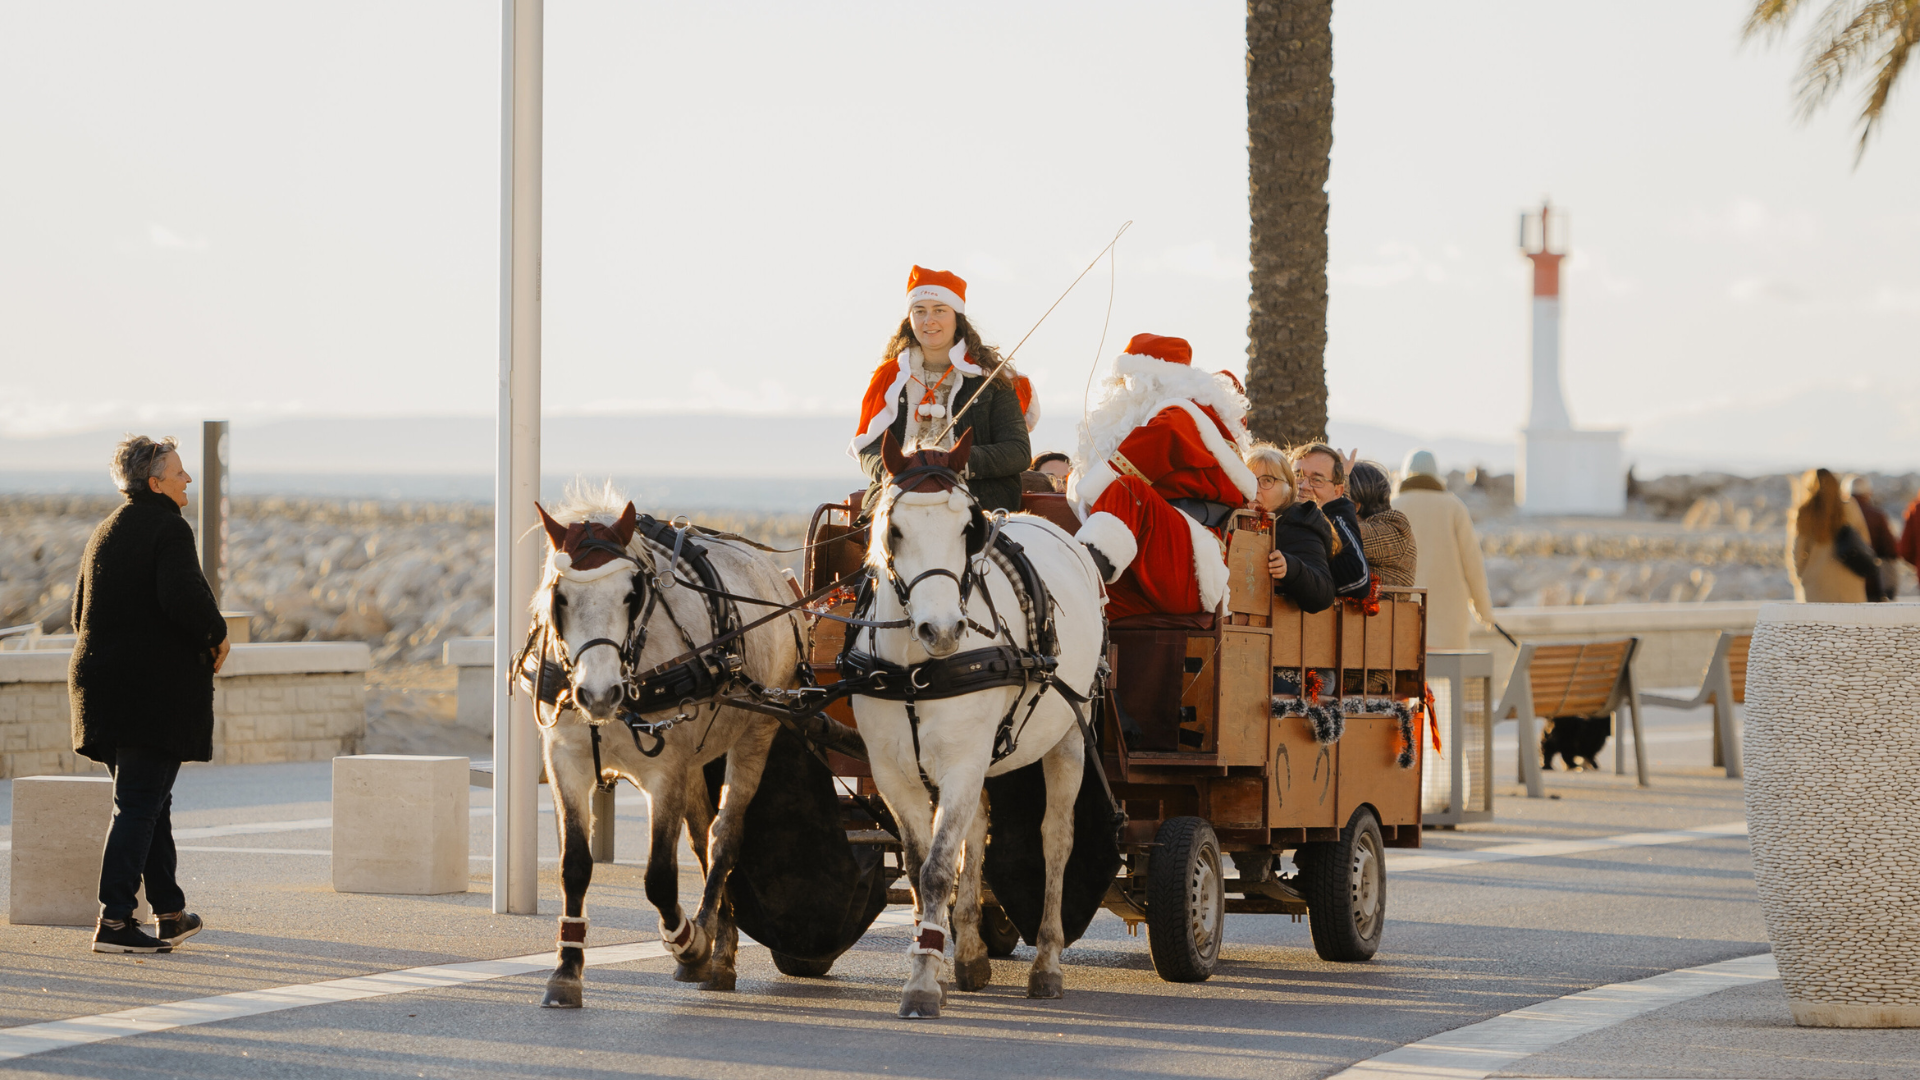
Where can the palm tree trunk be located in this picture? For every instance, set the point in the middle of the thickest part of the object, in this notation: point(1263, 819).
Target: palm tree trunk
point(1289, 140)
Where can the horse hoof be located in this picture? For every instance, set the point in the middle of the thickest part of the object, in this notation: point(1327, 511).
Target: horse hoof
point(1043, 984)
point(720, 980)
point(562, 995)
point(689, 973)
point(971, 975)
point(921, 1005)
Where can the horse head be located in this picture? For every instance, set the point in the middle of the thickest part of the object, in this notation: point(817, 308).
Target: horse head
point(591, 599)
point(923, 537)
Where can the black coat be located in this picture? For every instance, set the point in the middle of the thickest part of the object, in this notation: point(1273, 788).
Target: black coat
point(1302, 534)
point(1000, 452)
point(142, 670)
point(1349, 565)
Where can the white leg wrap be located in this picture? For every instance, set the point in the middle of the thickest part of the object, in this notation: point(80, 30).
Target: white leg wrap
point(573, 933)
point(683, 939)
point(929, 939)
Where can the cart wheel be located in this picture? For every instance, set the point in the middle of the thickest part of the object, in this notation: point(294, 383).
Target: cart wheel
point(997, 930)
point(1186, 900)
point(805, 969)
point(1346, 890)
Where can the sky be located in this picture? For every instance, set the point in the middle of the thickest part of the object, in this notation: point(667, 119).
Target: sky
point(272, 210)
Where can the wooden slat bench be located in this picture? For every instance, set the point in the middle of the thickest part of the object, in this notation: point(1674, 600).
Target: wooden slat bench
point(1586, 679)
point(1723, 686)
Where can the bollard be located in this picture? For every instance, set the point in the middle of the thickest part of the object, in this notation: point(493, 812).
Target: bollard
point(400, 824)
point(59, 828)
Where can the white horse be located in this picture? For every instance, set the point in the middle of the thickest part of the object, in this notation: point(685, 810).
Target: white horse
point(606, 611)
point(924, 546)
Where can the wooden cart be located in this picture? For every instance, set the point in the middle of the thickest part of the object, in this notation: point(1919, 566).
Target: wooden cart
point(1242, 788)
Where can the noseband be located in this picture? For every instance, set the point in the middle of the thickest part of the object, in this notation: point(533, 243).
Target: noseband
point(940, 478)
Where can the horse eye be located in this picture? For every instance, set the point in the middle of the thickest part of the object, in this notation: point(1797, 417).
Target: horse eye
point(893, 532)
point(560, 599)
point(633, 598)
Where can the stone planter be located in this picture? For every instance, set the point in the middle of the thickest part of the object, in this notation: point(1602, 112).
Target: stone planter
point(1832, 742)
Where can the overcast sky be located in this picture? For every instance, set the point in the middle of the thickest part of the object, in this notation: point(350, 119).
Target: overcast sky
point(254, 209)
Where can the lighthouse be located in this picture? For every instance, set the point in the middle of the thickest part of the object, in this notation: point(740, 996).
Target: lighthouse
point(1563, 469)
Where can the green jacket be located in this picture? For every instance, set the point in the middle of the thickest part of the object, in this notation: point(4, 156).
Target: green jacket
point(1000, 448)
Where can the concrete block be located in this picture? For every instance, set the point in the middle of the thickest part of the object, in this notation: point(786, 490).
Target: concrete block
point(400, 824)
point(59, 829)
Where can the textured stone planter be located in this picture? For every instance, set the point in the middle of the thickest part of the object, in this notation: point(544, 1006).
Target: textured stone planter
point(1832, 744)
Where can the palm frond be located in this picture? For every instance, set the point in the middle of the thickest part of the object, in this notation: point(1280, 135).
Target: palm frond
point(1847, 37)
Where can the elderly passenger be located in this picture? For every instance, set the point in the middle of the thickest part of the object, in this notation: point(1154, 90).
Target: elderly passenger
point(150, 639)
point(1385, 533)
point(1323, 478)
point(1302, 538)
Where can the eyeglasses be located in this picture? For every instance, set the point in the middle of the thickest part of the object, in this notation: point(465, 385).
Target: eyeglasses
point(1267, 482)
point(1315, 481)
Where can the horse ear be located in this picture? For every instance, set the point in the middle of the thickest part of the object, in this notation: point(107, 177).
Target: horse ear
point(890, 454)
point(623, 528)
point(957, 457)
point(556, 532)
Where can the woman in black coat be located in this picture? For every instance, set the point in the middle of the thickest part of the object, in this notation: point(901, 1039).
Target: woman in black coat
point(150, 638)
point(1302, 536)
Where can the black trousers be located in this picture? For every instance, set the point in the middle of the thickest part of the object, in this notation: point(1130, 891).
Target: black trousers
point(140, 842)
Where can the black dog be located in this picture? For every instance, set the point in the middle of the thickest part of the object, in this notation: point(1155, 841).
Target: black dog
point(1575, 739)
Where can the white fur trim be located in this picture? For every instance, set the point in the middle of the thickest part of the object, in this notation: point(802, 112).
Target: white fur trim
point(1113, 538)
point(1139, 387)
point(882, 420)
point(913, 944)
point(1227, 454)
point(1209, 565)
point(938, 293)
point(560, 564)
point(1085, 485)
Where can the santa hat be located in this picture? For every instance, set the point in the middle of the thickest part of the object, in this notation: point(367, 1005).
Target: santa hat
point(936, 285)
point(1029, 401)
point(1171, 349)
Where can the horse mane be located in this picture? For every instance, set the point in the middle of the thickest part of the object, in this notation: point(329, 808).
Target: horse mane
point(585, 501)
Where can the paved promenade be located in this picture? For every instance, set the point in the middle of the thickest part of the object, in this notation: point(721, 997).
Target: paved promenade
point(1609, 932)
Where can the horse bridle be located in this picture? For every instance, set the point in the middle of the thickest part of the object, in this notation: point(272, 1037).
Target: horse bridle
point(909, 481)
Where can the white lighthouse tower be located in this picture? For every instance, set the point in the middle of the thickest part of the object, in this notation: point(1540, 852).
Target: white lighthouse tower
point(1563, 470)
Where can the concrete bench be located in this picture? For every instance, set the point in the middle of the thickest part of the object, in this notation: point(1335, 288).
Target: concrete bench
point(59, 828)
point(473, 700)
point(599, 837)
point(400, 824)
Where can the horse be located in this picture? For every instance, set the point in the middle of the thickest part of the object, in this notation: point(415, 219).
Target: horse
point(618, 598)
point(932, 579)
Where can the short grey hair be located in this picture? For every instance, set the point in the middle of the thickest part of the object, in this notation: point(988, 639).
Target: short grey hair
point(139, 458)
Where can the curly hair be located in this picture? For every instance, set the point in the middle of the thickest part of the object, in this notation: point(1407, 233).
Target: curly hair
point(139, 458)
point(984, 356)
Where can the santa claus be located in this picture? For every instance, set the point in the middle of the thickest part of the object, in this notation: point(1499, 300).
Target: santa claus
point(1159, 471)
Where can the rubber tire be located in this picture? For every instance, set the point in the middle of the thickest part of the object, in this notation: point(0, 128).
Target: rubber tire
point(803, 969)
point(1183, 935)
point(1344, 930)
point(997, 930)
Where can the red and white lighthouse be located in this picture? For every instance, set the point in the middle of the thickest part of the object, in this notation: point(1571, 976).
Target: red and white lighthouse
point(1563, 469)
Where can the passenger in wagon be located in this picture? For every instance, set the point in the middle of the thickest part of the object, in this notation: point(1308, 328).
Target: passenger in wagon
point(1323, 478)
point(1302, 537)
point(933, 366)
point(1386, 536)
point(1157, 474)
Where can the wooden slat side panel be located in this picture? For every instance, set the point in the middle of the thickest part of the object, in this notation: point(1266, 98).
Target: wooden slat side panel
point(1301, 791)
point(1235, 802)
point(1197, 689)
point(1379, 638)
point(1249, 587)
point(1369, 773)
point(1287, 639)
point(1353, 642)
point(1246, 698)
point(1317, 637)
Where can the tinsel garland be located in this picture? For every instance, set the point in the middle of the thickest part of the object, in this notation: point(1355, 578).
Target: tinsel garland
point(1370, 605)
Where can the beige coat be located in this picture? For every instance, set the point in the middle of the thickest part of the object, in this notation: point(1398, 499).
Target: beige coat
point(1818, 577)
point(1450, 567)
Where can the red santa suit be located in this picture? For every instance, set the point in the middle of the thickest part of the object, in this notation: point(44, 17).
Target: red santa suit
point(1163, 432)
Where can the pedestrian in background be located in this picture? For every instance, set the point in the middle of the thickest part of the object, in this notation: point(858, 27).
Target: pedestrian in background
point(1908, 545)
point(1827, 552)
point(1879, 534)
point(1450, 566)
point(150, 639)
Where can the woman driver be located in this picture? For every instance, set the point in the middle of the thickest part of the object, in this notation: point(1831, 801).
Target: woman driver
point(932, 367)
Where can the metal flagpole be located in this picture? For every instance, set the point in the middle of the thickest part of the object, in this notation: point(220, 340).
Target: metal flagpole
point(516, 542)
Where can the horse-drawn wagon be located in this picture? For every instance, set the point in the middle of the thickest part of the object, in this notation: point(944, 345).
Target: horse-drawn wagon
point(1291, 734)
